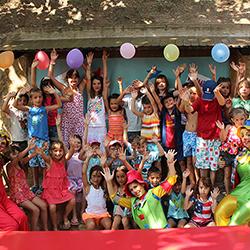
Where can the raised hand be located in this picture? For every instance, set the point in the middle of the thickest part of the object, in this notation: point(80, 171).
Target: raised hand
point(121, 155)
point(144, 90)
point(189, 191)
point(220, 124)
point(218, 88)
point(215, 193)
point(137, 84)
point(34, 63)
point(184, 94)
point(103, 159)
point(153, 70)
point(152, 87)
point(212, 69)
point(72, 141)
point(10, 95)
point(186, 173)
point(90, 57)
point(119, 80)
point(31, 143)
point(53, 55)
point(170, 155)
point(105, 55)
point(107, 175)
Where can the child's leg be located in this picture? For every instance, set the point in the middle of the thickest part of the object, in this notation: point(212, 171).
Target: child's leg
point(116, 222)
point(53, 216)
point(90, 224)
point(182, 223)
point(35, 175)
point(44, 212)
point(204, 172)
point(227, 176)
point(106, 223)
point(35, 212)
point(171, 223)
point(125, 223)
point(212, 177)
point(190, 225)
point(69, 207)
point(190, 167)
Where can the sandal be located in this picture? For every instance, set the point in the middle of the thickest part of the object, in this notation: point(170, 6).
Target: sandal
point(74, 222)
point(66, 225)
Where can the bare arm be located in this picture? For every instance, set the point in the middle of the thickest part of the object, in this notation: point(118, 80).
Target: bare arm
point(89, 58)
point(133, 108)
point(71, 150)
point(221, 100)
point(33, 73)
point(214, 195)
point(212, 69)
point(53, 57)
point(185, 174)
point(155, 96)
point(58, 100)
point(187, 202)
point(152, 101)
point(5, 107)
point(84, 174)
point(45, 157)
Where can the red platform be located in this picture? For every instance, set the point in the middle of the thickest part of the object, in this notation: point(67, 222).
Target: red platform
point(237, 238)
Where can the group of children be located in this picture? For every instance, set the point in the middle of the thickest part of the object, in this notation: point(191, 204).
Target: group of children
point(146, 157)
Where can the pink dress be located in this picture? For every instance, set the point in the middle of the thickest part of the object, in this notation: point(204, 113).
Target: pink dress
point(73, 118)
point(56, 184)
point(116, 125)
point(19, 188)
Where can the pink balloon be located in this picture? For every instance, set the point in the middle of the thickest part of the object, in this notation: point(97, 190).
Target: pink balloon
point(43, 60)
point(127, 50)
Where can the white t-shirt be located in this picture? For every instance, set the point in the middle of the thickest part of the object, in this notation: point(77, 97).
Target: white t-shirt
point(18, 124)
point(134, 122)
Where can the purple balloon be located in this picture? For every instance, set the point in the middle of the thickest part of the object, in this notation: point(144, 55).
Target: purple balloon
point(74, 59)
point(127, 50)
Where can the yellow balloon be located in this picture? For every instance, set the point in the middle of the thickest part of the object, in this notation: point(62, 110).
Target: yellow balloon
point(6, 59)
point(171, 52)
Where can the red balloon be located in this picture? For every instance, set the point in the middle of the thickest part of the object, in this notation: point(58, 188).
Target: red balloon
point(43, 60)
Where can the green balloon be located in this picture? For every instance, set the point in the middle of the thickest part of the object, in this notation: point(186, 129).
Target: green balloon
point(171, 52)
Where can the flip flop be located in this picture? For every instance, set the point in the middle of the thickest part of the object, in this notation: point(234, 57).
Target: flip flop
point(74, 222)
point(66, 225)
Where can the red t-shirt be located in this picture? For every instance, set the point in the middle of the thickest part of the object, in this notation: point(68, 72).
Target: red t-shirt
point(170, 131)
point(208, 113)
point(51, 114)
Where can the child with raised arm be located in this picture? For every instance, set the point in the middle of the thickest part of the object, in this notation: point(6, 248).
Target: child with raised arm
point(38, 126)
point(55, 182)
point(96, 89)
point(18, 118)
point(145, 204)
point(96, 212)
point(204, 203)
point(19, 188)
point(72, 117)
point(209, 108)
point(177, 216)
point(231, 143)
point(149, 116)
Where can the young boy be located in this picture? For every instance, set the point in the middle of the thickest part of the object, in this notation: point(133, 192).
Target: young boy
point(172, 129)
point(209, 109)
point(154, 176)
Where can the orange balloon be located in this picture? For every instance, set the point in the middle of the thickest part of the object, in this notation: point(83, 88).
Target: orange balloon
point(6, 59)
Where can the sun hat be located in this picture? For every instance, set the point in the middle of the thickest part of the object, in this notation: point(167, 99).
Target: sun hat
point(246, 126)
point(133, 175)
point(113, 142)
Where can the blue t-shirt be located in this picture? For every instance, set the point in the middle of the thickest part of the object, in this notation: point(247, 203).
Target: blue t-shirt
point(175, 209)
point(38, 123)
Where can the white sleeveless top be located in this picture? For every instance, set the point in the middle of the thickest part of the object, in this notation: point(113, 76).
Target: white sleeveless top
point(96, 112)
point(96, 201)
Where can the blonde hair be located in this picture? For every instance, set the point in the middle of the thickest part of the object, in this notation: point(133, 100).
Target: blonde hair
point(245, 81)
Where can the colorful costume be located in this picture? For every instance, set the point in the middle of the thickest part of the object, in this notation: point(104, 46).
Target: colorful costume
point(73, 118)
point(55, 184)
point(234, 209)
point(147, 210)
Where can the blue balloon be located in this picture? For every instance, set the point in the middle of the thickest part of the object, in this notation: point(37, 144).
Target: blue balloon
point(220, 52)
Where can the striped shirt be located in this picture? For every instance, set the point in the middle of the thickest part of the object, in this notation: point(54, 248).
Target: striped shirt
point(150, 127)
point(202, 210)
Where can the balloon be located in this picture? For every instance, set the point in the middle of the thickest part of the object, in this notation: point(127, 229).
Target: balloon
point(220, 52)
point(171, 52)
point(127, 50)
point(6, 59)
point(74, 59)
point(43, 60)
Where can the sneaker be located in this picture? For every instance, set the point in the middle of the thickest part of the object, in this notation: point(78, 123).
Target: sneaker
point(34, 189)
point(39, 190)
